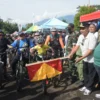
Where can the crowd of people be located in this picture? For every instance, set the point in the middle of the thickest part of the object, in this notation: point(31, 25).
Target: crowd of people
point(82, 48)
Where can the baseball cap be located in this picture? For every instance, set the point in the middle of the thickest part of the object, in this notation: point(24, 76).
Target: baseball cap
point(71, 25)
point(21, 33)
point(37, 33)
point(53, 29)
point(59, 30)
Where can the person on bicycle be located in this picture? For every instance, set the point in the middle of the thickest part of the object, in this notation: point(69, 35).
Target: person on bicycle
point(55, 41)
point(41, 48)
point(20, 44)
point(3, 47)
point(36, 36)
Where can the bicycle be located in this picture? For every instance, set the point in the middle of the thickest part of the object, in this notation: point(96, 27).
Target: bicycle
point(21, 71)
point(1, 70)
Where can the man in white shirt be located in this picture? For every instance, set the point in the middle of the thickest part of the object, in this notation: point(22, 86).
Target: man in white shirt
point(87, 43)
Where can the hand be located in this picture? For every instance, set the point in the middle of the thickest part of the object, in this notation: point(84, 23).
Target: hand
point(69, 56)
point(78, 60)
point(9, 46)
point(53, 54)
point(31, 50)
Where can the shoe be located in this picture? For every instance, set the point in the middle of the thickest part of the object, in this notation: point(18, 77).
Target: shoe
point(97, 96)
point(87, 92)
point(82, 89)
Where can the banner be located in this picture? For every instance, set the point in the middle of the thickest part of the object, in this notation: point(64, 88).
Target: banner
point(46, 69)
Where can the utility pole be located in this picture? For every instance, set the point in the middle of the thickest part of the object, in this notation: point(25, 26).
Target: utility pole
point(89, 3)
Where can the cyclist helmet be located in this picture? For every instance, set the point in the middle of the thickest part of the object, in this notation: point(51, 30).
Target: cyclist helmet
point(40, 40)
point(37, 34)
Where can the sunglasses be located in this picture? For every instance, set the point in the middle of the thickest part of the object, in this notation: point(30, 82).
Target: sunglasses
point(82, 28)
point(1, 35)
point(83, 41)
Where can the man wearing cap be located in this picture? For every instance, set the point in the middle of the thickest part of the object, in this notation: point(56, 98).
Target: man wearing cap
point(72, 38)
point(87, 43)
point(36, 36)
point(3, 47)
point(23, 42)
point(55, 41)
point(71, 42)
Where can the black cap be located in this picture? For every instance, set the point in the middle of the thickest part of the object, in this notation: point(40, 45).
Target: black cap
point(21, 33)
point(71, 25)
point(59, 30)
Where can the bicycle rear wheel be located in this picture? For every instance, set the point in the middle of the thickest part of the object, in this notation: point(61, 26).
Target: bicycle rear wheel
point(1, 75)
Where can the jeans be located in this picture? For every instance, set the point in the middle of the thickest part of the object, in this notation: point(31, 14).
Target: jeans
point(4, 59)
point(89, 73)
point(15, 61)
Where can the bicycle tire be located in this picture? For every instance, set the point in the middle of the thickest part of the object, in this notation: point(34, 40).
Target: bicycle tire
point(1, 75)
point(19, 77)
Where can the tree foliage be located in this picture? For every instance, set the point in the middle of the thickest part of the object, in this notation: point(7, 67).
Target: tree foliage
point(64, 20)
point(82, 10)
point(97, 7)
point(8, 27)
point(27, 26)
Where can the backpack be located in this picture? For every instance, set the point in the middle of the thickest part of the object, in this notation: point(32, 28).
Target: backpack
point(18, 42)
point(54, 42)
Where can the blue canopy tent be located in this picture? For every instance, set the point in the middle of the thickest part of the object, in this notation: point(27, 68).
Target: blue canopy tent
point(54, 22)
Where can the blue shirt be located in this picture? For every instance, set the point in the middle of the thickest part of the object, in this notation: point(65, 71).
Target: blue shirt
point(22, 43)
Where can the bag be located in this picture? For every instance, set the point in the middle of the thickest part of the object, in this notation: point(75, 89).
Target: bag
point(54, 43)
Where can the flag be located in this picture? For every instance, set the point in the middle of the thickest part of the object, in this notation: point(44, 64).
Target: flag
point(44, 70)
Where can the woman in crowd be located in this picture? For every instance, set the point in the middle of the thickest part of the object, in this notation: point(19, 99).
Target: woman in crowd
point(93, 29)
point(97, 63)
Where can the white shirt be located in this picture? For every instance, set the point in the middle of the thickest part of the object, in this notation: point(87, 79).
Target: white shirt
point(66, 39)
point(96, 35)
point(85, 43)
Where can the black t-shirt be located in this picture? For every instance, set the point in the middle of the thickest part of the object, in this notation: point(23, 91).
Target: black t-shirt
point(3, 44)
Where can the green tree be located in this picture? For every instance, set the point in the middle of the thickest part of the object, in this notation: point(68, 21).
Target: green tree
point(97, 7)
point(82, 10)
point(9, 27)
point(27, 26)
point(1, 23)
point(64, 21)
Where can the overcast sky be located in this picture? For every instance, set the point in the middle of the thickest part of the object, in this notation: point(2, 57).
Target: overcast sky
point(35, 10)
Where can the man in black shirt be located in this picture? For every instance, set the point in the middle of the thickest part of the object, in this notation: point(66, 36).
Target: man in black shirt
point(3, 47)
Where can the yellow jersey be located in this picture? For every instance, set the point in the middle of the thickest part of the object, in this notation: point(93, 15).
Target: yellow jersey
point(41, 49)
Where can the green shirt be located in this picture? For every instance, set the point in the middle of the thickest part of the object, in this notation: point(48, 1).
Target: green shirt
point(97, 55)
point(72, 40)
